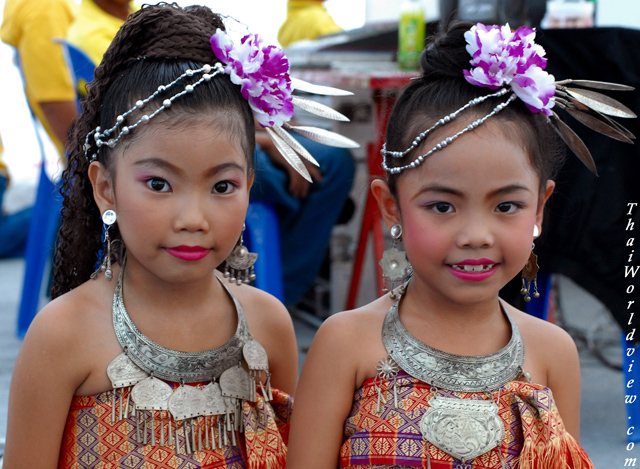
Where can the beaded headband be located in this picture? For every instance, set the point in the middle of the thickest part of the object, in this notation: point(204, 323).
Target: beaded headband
point(511, 62)
point(262, 72)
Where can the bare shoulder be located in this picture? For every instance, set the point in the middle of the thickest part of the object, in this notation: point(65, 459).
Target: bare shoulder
point(354, 338)
point(549, 350)
point(262, 310)
point(271, 325)
point(67, 326)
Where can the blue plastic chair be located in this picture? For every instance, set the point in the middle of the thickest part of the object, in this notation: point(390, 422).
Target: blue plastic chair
point(40, 239)
point(262, 236)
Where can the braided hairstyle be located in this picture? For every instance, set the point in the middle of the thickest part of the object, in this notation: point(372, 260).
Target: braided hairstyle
point(442, 89)
point(156, 45)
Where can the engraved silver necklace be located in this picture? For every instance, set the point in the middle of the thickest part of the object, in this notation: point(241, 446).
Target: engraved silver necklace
point(215, 410)
point(173, 365)
point(463, 428)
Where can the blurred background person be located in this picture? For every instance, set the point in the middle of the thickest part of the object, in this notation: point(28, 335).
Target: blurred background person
point(30, 27)
point(306, 19)
point(96, 24)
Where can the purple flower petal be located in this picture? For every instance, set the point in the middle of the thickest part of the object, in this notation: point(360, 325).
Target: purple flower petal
point(262, 72)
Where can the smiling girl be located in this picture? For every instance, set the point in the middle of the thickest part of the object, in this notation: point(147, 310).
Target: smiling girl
point(442, 373)
point(157, 361)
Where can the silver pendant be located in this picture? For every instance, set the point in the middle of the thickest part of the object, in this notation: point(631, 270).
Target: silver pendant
point(123, 372)
point(151, 394)
point(236, 382)
point(186, 402)
point(463, 428)
point(255, 355)
point(213, 400)
point(394, 264)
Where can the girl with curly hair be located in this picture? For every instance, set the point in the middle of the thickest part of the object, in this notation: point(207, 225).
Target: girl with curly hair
point(147, 357)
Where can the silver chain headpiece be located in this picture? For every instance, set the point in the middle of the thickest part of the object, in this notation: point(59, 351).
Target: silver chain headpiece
point(100, 136)
point(439, 146)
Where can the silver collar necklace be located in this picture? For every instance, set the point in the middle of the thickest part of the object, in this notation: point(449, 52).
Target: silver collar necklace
point(218, 405)
point(454, 372)
point(173, 365)
point(463, 428)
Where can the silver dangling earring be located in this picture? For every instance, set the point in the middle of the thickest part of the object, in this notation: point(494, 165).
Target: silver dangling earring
point(239, 264)
point(108, 219)
point(394, 263)
point(530, 272)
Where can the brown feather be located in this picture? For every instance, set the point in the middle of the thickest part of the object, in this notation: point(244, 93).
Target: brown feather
point(573, 142)
point(601, 85)
point(600, 102)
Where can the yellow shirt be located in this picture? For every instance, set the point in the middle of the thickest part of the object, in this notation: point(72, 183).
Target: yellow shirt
point(306, 19)
point(30, 26)
point(93, 29)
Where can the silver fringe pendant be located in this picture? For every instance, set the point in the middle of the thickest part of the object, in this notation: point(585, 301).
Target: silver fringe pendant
point(395, 266)
point(256, 357)
point(239, 264)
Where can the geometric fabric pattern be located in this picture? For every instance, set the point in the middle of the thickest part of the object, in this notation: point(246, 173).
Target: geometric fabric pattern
point(534, 437)
point(92, 440)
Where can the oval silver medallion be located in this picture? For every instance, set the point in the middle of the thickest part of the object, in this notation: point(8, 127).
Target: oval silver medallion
point(463, 428)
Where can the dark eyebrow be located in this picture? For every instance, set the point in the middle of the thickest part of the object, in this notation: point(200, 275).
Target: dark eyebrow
point(510, 189)
point(159, 162)
point(439, 188)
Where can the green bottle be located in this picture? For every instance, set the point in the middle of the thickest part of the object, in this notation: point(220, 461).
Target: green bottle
point(411, 34)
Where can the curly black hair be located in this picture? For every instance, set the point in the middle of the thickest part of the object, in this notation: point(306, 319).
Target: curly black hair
point(155, 45)
point(442, 89)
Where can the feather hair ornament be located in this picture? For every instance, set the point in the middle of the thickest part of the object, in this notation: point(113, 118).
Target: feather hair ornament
point(262, 72)
point(512, 63)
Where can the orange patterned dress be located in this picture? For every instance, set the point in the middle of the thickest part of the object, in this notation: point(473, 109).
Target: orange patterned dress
point(93, 440)
point(390, 436)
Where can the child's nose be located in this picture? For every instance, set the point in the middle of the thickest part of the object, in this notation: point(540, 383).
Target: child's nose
point(475, 233)
point(191, 215)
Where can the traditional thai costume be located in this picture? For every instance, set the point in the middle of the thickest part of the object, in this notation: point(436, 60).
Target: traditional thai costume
point(226, 417)
point(427, 408)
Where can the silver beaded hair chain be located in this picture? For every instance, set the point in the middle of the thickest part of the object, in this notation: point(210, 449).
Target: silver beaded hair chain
point(416, 162)
point(124, 130)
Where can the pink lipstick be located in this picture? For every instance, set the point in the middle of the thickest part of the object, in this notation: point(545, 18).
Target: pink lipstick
point(474, 270)
point(188, 253)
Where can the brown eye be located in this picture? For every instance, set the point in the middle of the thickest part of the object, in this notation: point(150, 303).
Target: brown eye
point(222, 187)
point(158, 185)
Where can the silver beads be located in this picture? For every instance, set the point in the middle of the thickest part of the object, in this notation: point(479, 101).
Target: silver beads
point(444, 143)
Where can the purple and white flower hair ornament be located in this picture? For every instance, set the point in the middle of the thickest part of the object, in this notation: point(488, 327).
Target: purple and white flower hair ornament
point(503, 57)
point(511, 62)
point(262, 72)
